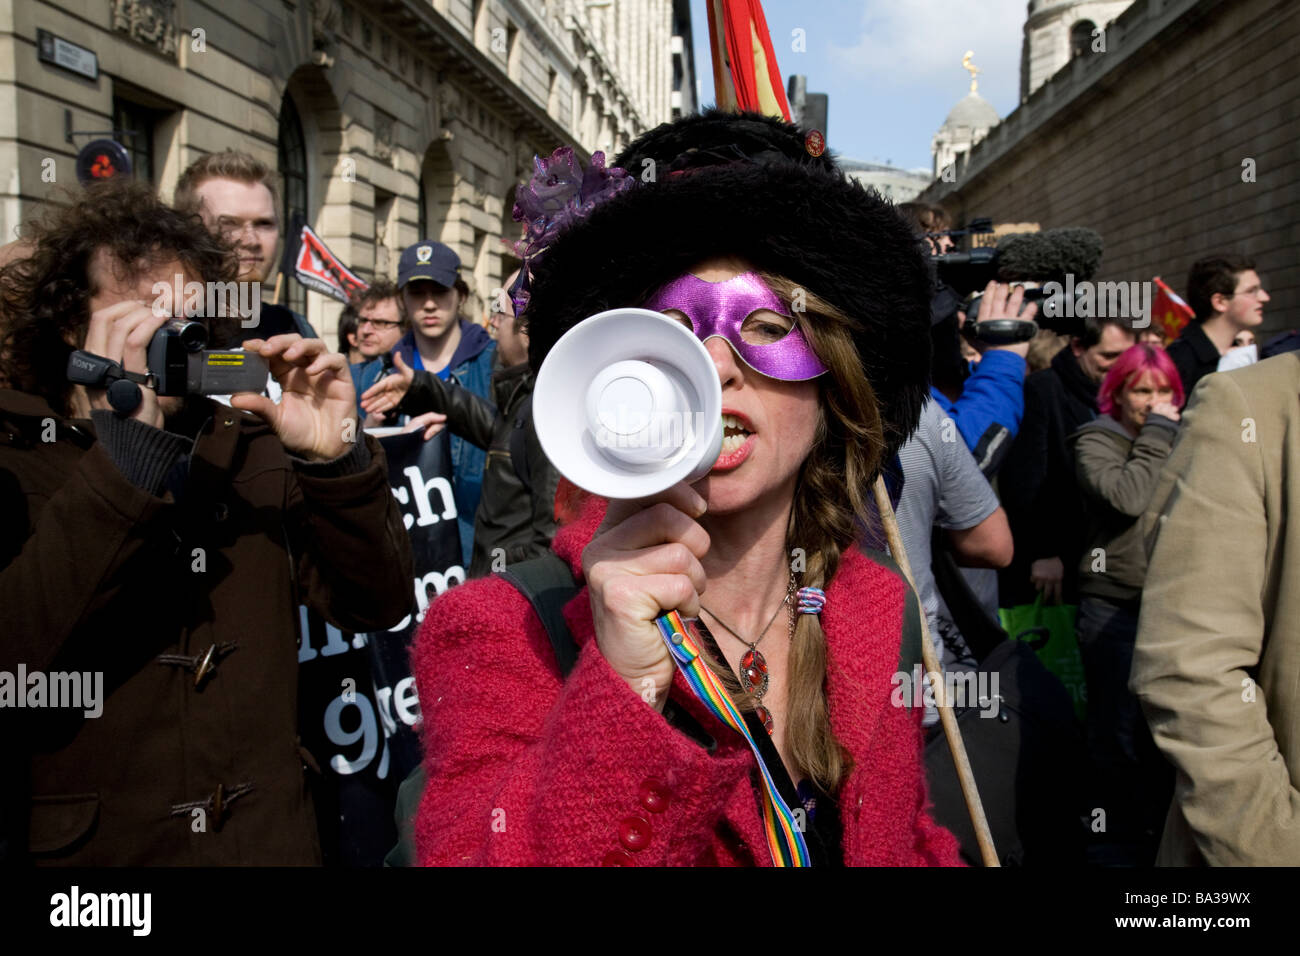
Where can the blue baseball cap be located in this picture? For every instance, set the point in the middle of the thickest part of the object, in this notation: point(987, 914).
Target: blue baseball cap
point(428, 260)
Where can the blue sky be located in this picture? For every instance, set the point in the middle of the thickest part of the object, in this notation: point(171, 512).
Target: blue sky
point(892, 68)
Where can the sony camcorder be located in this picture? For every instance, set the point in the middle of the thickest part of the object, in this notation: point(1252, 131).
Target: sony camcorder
point(179, 363)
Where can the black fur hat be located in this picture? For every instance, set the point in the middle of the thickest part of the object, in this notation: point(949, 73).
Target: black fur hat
point(744, 185)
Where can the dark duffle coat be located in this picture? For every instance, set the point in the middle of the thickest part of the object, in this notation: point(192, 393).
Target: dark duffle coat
point(98, 575)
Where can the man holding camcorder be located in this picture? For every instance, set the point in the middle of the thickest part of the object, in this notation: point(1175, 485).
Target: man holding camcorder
point(164, 542)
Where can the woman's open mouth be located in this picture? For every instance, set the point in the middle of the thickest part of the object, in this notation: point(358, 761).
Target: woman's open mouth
point(733, 435)
point(737, 442)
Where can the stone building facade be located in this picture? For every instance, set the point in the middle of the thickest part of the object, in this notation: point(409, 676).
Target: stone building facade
point(1180, 140)
point(1057, 31)
point(893, 182)
point(389, 120)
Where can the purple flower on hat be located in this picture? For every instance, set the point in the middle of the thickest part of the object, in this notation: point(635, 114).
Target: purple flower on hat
point(560, 193)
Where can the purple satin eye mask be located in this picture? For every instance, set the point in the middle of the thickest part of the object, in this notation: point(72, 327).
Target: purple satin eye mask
point(721, 308)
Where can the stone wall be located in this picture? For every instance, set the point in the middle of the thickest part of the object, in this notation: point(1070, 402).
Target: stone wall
point(1046, 46)
point(1179, 141)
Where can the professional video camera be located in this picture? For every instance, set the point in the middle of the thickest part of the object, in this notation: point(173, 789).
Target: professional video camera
point(179, 363)
point(1030, 259)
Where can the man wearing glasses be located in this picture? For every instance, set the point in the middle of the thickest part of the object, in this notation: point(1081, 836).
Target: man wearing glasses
point(1228, 297)
point(381, 321)
point(235, 196)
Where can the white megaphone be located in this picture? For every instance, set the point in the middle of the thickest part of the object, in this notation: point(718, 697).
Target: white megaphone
point(628, 403)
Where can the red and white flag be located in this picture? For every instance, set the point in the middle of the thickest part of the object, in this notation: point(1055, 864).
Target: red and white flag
point(310, 261)
point(1169, 312)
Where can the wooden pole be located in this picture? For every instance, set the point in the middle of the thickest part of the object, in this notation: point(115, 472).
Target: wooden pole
point(965, 776)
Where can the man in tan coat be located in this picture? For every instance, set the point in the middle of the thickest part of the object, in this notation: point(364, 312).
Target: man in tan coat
point(1217, 662)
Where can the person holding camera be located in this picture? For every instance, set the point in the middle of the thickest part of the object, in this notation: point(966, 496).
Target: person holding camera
point(984, 399)
point(812, 301)
point(164, 543)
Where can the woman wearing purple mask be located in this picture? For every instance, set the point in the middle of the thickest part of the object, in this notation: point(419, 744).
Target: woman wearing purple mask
point(812, 298)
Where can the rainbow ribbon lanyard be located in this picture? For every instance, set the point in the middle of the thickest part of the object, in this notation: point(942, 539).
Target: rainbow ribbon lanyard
point(784, 837)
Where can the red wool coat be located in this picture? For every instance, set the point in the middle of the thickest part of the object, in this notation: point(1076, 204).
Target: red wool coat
point(526, 769)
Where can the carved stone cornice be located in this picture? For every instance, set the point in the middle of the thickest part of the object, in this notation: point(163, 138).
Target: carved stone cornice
point(151, 22)
point(326, 19)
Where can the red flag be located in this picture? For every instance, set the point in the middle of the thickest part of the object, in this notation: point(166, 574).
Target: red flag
point(317, 268)
point(745, 72)
point(1169, 312)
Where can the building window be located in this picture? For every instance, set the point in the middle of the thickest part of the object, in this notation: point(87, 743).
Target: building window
point(1081, 38)
point(134, 126)
point(293, 201)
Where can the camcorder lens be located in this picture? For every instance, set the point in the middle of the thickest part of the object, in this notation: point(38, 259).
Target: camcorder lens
point(193, 335)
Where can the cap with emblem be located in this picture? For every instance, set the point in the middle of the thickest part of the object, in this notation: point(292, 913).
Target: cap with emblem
point(427, 259)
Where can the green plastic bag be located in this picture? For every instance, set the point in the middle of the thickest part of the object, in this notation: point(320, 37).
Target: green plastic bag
point(1050, 629)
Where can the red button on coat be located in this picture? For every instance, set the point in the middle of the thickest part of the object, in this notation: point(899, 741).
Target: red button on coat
point(654, 796)
point(618, 858)
point(634, 833)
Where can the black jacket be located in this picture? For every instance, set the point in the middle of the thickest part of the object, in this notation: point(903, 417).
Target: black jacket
point(1037, 482)
point(515, 519)
point(1194, 355)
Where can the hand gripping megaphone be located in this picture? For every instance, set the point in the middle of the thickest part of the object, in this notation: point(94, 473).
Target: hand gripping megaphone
point(628, 403)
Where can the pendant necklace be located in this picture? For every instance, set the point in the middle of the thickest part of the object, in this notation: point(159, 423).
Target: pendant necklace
point(753, 665)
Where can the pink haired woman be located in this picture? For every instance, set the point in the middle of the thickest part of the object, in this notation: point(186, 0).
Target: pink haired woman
point(1119, 458)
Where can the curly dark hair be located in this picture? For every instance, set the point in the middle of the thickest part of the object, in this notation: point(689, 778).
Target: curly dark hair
point(45, 293)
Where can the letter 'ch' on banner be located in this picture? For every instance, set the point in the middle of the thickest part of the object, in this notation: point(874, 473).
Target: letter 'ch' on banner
point(1169, 312)
point(745, 74)
point(309, 260)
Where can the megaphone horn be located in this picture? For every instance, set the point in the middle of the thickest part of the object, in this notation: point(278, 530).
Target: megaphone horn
point(628, 403)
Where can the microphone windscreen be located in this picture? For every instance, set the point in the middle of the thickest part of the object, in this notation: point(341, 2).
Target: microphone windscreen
point(1049, 255)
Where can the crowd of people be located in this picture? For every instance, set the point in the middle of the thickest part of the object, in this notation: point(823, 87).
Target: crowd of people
point(166, 541)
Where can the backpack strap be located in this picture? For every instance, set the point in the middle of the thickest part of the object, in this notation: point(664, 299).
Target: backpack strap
point(981, 634)
point(909, 653)
point(548, 584)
